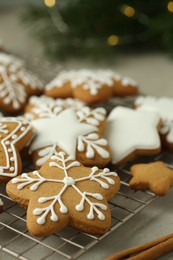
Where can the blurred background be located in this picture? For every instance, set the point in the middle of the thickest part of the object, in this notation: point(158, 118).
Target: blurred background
point(130, 37)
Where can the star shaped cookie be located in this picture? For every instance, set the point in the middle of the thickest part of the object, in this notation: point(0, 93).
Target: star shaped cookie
point(130, 132)
point(155, 176)
point(62, 193)
point(78, 133)
point(15, 133)
point(164, 107)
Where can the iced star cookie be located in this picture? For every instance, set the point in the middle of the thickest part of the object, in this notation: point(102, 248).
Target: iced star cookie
point(16, 84)
point(163, 106)
point(43, 106)
point(78, 133)
point(62, 193)
point(15, 133)
point(130, 133)
point(155, 176)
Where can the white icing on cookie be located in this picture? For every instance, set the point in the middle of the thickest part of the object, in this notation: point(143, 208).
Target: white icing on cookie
point(10, 169)
point(125, 81)
point(62, 131)
point(128, 130)
point(13, 78)
point(65, 163)
point(45, 106)
point(163, 106)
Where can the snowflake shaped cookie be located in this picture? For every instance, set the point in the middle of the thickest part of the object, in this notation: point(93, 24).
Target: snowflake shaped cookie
point(163, 106)
point(16, 84)
point(15, 133)
point(130, 132)
point(90, 86)
point(63, 192)
point(78, 133)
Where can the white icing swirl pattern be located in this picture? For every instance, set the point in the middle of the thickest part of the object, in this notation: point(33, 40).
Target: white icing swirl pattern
point(104, 178)
point(8, 140)
point(13, 81)
point(91, 80)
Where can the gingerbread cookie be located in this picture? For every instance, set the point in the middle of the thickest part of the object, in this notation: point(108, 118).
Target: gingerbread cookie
point(86, 85)
point(90, 86)
point(15, 133)
point(1, 205)
point(63, 192)
point(130, 133)
point(156, 176)
point(16, 84)
point(78, 133)
point(163, 106)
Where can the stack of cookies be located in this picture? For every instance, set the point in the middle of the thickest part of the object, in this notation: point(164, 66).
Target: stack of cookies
point(69, 144)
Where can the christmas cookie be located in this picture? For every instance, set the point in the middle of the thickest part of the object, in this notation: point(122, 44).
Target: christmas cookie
point(62, 193)
point(163, 106)
point(86, 85)
point(155, 176)
point(16, 84)
point(125, 86)
point(90, 86)
point(130, 133)
point(1, 205)
point(78, 133)
point(43, 106)
point(15, 133)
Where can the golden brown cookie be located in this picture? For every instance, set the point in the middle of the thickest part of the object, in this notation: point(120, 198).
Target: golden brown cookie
point(78, 132)
point(131, 133)
point(125, 87)
point(62, 193)
point(16, 84)
point(15, 133)
point(155, 176)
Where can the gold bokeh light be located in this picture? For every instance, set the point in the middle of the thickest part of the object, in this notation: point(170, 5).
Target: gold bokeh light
point(50, 3)
point(128, 10)
point(170, 6)
point(113, 40)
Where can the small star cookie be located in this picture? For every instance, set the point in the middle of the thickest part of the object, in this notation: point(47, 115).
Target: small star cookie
point(130, 132)
point(155, 176)
point(78, 133)
point(15, 133)
point(16, 84)
point(62, 193)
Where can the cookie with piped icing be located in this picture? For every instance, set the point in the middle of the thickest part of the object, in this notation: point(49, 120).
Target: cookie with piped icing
point(15, 133)
point(90, 86)
point(163, 106)
point(16, 84)
point(43, 106)
point(65, 193)
point(78, 132)
point(131, 133)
